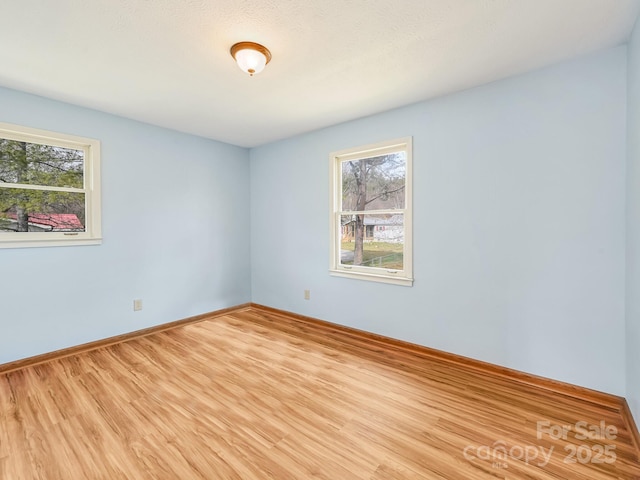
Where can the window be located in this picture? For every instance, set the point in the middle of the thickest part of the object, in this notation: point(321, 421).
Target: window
point(49, 188)
point(371, 212)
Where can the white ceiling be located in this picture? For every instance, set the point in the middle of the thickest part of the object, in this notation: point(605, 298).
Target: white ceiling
point(167, 62)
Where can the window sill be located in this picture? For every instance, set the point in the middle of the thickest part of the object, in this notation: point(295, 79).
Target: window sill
point(371, 277)
point(51, 242)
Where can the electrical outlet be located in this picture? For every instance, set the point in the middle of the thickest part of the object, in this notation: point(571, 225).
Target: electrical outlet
point(307, 294)
point(137, 305)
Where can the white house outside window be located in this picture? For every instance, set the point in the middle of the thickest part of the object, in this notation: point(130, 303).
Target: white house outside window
point(371, 234)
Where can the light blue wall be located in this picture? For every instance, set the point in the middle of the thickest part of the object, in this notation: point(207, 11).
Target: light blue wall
point(176, 234)
point(633, 225)
point(519, 197)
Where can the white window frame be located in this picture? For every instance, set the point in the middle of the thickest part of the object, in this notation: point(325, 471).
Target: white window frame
point(397, 277)
point(91, 189)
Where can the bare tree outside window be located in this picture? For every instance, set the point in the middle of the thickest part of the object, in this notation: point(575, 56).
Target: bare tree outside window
point(371, 214)
point(373, 184)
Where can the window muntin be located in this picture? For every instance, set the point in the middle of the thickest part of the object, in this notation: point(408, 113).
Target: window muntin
point(371, 212)
point(49, 188)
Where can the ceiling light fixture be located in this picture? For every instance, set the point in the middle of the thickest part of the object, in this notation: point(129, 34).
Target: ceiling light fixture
point(251, 57)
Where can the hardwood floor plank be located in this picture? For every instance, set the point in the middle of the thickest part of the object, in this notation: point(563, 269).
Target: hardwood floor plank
point(67, 352)
point(256, 395)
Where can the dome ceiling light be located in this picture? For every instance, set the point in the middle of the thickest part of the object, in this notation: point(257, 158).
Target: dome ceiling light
point(251, 57)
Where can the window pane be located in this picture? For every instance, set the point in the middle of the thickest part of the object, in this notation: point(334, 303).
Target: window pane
point(376, 183)
point(34, 164)
point(372, 240)
point(41, 211)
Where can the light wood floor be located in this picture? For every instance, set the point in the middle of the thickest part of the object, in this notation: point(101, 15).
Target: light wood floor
point(253, 395)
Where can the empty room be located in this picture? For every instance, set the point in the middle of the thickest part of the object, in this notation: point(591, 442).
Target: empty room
point(285, 239)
